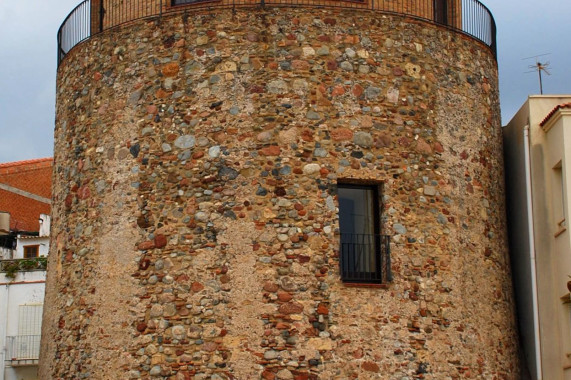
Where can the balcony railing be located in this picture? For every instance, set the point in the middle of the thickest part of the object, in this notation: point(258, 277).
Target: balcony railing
point(90, 17)
point(11, 267)
point(23, 349)
point(365, 258)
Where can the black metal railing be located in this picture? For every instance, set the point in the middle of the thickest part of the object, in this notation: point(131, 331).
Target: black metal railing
point(470, 17)
point(75, 28)
point(23, 347)
point(365, 258)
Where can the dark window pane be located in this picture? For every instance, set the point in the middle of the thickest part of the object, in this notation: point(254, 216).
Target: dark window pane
point(359, 230)
point(356, 210)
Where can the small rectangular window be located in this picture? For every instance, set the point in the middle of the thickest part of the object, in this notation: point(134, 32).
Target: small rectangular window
point(31, 251)
point(364, 253)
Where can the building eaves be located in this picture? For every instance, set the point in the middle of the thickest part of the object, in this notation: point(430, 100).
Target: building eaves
point(553, 112)
point(21, 166)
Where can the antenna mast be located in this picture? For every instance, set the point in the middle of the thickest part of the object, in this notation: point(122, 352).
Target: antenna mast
point(539, 67)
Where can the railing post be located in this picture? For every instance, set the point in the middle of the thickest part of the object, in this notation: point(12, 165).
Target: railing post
point(494, 41)
point(101, 15)
point(59, 57)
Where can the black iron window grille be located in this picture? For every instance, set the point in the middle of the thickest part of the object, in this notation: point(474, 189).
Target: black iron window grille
point(364, 254)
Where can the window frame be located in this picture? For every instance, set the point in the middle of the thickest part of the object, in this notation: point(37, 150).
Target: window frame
point(381, 275)
point(36, 249)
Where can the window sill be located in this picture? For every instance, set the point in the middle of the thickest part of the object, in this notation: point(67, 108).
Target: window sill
point(365, 285)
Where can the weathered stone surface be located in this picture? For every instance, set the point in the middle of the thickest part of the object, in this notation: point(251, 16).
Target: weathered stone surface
point(271, 287)
point(310, 169)
point(170, 69)
point(270, 355)
point(312, 115)
point(399, 228)
point(291, 308)
point(320, 344)
point(429, 190)
point(341, 134)
point(278, 86)
point(363, 139)
point(370, 367)
point(184, 142)
point(284, 374)
point(423, 147)
point(178, 332)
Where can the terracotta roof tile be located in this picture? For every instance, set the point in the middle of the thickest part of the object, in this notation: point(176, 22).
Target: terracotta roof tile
point(34, 176)
point(553, 112)
point(26, 164)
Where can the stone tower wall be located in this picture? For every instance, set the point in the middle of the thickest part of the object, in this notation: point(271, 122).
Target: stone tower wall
point(195, 231)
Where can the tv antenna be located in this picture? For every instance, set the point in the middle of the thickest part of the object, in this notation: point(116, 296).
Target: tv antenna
point(539, 67)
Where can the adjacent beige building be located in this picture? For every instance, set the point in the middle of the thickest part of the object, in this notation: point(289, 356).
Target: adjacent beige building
point(538, 174)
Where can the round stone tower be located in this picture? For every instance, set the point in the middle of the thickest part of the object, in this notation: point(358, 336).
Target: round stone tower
point(278, 191)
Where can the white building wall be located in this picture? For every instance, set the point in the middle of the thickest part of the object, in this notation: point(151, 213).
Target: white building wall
point(27, 288)
point(43, 243)
point(45, 225)
point(5, 253)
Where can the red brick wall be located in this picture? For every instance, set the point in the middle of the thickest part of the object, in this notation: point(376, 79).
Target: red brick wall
point(33, 176)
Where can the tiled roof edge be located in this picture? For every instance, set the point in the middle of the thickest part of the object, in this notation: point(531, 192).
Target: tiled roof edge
point(553, 112)
point(26, 162)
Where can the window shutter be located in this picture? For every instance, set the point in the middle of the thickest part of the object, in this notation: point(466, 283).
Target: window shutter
point(30, 319)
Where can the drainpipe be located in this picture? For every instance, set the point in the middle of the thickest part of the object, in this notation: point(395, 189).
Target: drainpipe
point(530, 233)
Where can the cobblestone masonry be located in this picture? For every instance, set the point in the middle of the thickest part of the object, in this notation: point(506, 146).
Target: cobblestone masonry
point(194, 232)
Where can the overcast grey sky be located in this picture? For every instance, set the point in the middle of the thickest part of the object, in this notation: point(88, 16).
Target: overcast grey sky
point(28, 63)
